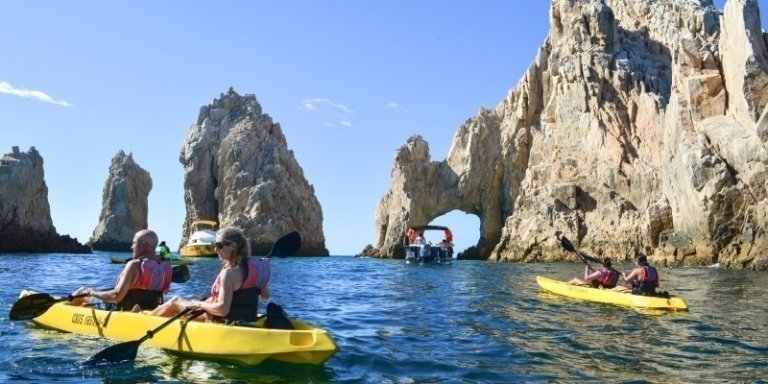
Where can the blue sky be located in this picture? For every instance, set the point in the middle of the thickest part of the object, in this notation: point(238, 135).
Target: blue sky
point(348, 81)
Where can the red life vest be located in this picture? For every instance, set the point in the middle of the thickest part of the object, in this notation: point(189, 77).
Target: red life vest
point(448, 236)
point(650, 276)
point(153, 276)
point(411, 234)
point(259, 272)
point(245, 300)
point(147, 292)
point(608, 277)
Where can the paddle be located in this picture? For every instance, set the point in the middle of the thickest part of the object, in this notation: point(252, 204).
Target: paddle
point(284, 246)
point(31, 306)
point(570, 248)
point(127, 350)
point(180, 274)
point(585, 257)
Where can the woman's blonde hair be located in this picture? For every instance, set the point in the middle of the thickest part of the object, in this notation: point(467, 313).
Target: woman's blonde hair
point(241, 243)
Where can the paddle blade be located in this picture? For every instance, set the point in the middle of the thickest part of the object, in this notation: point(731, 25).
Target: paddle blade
point(29, 307)
point(567, 244)
point(180, 274)
point(286, 245)
point(115, 354)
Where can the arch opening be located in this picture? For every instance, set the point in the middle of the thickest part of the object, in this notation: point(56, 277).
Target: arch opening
point(465, 228)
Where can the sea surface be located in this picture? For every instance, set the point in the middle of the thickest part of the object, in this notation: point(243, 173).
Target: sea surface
point(468, 322)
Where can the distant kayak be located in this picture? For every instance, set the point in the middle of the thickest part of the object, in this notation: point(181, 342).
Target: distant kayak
point(608, 296)
point(123, 260)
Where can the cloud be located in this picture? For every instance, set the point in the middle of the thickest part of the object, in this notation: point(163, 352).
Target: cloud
point(339, 113)
point(395, 107)
point(9, 89)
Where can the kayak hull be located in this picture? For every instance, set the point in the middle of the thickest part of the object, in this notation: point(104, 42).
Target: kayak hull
point(248, 345)
point(608, 296)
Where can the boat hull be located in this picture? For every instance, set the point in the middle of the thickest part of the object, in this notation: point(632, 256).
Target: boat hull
point(198, 250)
point(608, 296)
point(424, 254)
point(248, 345)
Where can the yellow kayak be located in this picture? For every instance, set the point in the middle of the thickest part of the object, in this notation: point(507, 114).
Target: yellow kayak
point(608, 296)
point(249, 345)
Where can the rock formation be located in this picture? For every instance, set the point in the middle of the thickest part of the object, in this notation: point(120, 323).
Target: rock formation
point(25, 215)
point(124, 207)
point(640, 127)
point(238, 170)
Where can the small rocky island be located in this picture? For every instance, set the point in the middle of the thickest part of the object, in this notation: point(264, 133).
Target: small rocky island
point(25, 215)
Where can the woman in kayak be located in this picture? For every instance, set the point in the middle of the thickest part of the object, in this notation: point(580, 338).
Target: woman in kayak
point(143, 281)
point(644, 279)
point(605, 277)
point(235, 292)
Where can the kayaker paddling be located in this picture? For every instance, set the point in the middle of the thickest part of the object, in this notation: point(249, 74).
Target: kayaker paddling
point(643, 280)
point(605, 277)
point(235, 292)
point(143, 281)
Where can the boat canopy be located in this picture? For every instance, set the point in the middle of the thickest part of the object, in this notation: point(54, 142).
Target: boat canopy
point(412, 232)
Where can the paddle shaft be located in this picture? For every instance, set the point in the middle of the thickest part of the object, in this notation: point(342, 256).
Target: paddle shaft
point(584, 257)
point(151, 333)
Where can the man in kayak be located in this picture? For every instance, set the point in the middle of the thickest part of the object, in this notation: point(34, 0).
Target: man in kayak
point(143, 281)
point(165, 252)
point(235, 292)
point(644, 279)
point(605, 277)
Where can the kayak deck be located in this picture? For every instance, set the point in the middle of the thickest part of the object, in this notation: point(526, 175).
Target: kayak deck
point(608, 296)
point(249, 345)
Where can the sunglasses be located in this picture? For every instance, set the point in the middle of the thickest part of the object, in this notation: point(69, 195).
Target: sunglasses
point(222, 244)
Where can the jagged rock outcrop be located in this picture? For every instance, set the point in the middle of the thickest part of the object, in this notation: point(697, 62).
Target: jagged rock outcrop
point(25, 215)
point(124, 207)
point(238, 169)
point(640, 126)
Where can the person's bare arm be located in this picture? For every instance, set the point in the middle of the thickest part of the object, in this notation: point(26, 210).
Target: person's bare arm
point(115, 295)
point(632, 276)
point(223, 304)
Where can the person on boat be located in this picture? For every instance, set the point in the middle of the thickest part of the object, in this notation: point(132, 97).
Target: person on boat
point(605, 277)
point(143, 281)
point(410, 235)
point(235, 292)
point(165, 252)
point(644, 279)
point(419, 239)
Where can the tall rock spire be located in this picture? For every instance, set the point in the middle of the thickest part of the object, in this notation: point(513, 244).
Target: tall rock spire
point(238, 170)
point(124, 208)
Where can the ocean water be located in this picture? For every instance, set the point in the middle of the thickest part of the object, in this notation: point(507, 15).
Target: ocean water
point(469, 322)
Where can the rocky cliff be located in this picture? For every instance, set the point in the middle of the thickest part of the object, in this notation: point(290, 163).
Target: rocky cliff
point(238, 169)
point(124, 207)
point(25, 216)
point(640, 126)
